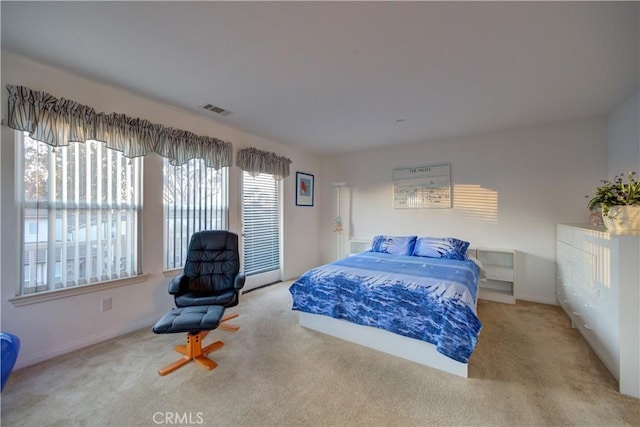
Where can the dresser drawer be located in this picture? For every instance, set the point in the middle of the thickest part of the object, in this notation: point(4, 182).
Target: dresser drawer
point(587, 309)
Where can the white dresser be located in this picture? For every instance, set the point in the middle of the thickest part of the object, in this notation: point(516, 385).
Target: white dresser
point(598, 286)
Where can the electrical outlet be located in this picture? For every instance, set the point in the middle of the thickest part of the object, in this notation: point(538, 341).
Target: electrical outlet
point(105, 304)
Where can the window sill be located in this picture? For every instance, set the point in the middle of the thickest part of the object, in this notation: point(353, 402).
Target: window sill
point(172, 273)
point(78, 290)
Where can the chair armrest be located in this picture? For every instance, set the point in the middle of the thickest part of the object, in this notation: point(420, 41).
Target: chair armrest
point(177, 284)
point(238, 282)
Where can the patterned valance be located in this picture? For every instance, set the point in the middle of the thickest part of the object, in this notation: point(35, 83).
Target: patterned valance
point(60, 121)
point(257, 161)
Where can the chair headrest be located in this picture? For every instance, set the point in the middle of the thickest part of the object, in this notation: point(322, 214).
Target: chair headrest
point(213, 240)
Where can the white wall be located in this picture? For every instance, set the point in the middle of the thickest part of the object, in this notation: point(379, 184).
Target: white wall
point(510, 190)
point(623, 137)
point(55, 327)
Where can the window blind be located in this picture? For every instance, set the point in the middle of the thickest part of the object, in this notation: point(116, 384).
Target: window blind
point(81, 214)
point(261, 223)
point(195, 199)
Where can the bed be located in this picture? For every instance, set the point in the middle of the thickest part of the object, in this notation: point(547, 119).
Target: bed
point(400, 298)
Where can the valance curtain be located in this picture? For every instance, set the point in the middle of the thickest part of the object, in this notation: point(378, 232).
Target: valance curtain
point(60, 121)
point(256, 161)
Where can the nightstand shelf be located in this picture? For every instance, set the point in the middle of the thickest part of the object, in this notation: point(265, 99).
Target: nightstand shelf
point(500, 265)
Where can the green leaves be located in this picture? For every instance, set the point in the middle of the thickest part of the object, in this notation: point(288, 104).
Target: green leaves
point(616, 193)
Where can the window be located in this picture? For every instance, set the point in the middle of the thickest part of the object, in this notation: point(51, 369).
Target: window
point(195, 199)
point(81, 212)
point(261, 223)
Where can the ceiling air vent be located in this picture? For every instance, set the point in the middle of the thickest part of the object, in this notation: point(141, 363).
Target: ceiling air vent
point(217, 110)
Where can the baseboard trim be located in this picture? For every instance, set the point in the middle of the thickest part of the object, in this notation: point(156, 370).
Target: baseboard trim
point(261, 286)
point(538, 300)
point(28, 360)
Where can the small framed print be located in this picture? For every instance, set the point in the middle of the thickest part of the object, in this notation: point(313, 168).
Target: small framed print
point(304, 189)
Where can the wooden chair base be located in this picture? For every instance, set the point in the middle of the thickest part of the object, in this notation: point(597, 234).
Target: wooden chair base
point(193, 350)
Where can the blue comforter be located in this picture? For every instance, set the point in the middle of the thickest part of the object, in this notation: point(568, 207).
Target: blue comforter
point(429, 299)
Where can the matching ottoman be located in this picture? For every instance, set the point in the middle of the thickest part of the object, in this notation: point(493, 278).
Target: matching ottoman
point(196, 321)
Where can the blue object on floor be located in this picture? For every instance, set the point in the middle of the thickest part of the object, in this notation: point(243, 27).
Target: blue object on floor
point(9, 347)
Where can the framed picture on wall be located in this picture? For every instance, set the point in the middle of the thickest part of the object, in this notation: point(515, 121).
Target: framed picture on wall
point(304, 189)
point(421, 187)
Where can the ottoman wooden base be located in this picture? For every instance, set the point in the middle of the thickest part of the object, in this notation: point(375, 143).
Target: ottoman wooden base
point(193, 351)
point(196, 321)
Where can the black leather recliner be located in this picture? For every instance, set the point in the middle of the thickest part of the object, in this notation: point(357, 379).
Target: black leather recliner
point(210, 283)
point(212, 273)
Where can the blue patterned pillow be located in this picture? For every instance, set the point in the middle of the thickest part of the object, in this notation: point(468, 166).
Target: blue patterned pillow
point(394, 245)
point(441, 247)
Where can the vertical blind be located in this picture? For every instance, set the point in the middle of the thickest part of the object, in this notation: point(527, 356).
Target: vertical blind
point(195, 199)
point(261, 223)
point(81, 214)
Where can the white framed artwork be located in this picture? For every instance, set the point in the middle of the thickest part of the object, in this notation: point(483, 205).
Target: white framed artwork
point(422, 187)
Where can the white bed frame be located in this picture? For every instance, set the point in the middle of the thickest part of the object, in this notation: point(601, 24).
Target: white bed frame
point(408, 348)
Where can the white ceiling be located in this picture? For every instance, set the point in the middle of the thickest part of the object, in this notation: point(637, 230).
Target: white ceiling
point(344, 76)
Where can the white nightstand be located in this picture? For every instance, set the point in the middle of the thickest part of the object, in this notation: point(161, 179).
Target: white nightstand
point(358, 245)
point(500, 265)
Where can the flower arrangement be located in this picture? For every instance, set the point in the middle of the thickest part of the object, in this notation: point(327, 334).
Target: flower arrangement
point(616, 193)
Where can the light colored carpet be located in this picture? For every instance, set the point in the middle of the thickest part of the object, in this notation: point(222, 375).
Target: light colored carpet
point(530, 368)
